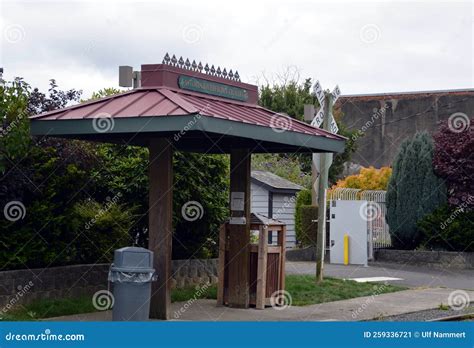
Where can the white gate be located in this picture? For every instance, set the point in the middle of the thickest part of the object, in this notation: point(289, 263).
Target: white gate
point(374, 212)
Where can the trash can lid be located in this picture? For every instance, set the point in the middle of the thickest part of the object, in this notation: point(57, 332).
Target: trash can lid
point(133, 259)
point(131, 269)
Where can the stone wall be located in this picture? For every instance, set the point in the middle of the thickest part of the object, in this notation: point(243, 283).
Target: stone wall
point(403, 115)
point(434, 259)
point(193, 272)
point(25, 286)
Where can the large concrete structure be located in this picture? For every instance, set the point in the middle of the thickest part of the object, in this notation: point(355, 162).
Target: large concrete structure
point(383, 121)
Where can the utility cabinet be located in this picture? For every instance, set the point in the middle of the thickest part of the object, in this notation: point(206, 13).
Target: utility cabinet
point(348, 218)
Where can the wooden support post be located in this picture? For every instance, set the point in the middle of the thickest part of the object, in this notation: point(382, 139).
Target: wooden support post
point(239, 235)
point(160, 227)
point(262, 267)
point(221, 270)
point(282, 242)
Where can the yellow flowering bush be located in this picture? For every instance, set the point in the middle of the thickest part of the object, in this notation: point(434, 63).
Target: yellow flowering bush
point(368, 179)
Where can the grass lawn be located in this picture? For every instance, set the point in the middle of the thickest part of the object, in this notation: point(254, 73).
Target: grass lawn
point(303, 289)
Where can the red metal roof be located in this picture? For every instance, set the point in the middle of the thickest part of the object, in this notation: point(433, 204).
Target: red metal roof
point(160, 102)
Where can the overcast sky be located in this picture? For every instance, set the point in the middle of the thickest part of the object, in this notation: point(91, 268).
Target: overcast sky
point(365, 47)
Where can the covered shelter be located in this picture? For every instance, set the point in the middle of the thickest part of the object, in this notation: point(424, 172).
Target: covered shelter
point(184, 106)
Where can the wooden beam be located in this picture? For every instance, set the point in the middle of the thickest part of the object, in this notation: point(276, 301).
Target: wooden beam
point(239, 235)
point(160, 227)
point(221, 269)
point(282, 242)
point(262, 267)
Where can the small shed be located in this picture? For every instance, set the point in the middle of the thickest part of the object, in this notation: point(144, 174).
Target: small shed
point(275, 197)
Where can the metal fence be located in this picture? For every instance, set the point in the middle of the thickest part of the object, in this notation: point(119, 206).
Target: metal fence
point(377, 228)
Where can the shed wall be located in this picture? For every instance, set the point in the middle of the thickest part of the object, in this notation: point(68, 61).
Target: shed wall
point(283, 209)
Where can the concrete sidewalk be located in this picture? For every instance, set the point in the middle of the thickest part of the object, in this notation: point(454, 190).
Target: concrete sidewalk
point(361, 308)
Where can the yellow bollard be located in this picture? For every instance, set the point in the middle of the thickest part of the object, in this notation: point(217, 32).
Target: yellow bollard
point(346, 249)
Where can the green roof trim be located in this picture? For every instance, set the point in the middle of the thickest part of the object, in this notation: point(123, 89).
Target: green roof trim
point(183, 123)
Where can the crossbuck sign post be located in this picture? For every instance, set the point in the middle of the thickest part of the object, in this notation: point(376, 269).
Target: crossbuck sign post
point(321, 163)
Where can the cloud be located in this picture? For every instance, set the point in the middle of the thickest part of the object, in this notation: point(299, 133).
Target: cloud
point(366, 47)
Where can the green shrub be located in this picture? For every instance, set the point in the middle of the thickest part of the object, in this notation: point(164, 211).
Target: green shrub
point(48, 185)
point(197, 177)
point(309, 227)
point(100, 228)
point(302, 198)
point(413, 190)
point(448, 228)
point(85, 232)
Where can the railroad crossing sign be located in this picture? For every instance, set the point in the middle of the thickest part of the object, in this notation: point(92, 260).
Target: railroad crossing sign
point(318, 90)
point(334, 127)
point(319, 117)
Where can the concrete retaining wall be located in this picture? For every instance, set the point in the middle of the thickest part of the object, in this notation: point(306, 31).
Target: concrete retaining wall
point(304, 254)
point(25, 286)
point(381, 133)
point(434, 259)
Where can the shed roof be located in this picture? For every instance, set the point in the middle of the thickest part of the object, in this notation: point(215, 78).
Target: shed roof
point(274, 182)
point(200, 121)
point(260, 219)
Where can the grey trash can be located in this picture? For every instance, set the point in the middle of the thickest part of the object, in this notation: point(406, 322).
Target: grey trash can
point(131, 274)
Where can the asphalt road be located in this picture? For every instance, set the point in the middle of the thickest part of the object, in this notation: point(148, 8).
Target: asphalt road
point(411, 276)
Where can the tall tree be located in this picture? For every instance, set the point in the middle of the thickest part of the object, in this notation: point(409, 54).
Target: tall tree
point(454, 161)
point(413, 190)
point(287, 95)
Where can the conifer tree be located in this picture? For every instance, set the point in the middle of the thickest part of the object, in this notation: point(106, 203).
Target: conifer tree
point(413, 190)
